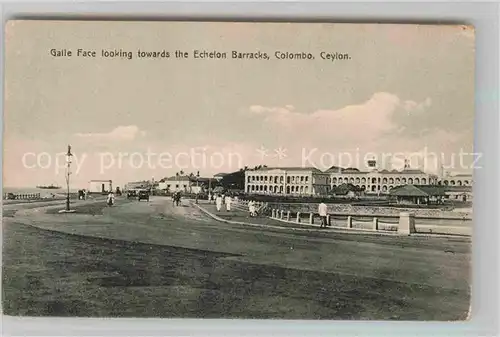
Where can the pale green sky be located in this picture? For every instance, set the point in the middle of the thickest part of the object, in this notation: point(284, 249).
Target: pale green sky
point(405, 88)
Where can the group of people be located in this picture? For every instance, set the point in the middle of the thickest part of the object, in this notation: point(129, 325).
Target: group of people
point(252, 208)
point(176, 198)
point(83, 194)
point(221, 199)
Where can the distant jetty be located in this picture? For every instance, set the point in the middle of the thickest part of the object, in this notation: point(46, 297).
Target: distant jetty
point(49, 187)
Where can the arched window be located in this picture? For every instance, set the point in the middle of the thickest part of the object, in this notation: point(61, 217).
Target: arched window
point(417, 181)
point(374, 180)
point(403, 180)
point(398, 181)
point(363, 180)
point(334, 180)
point(410, 181)
point(459, 183)
point(357, 180)
point(384, 188)
point(424, 181)
point(391, 180)
point(384, 181)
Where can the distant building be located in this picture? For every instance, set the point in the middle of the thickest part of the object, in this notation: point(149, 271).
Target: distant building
point(380, 181)
point(456, 180)
point(287, 180)
point(100, 186)
point(460, 193)
point(411, 194)
point(312, 181)
point(183, 183)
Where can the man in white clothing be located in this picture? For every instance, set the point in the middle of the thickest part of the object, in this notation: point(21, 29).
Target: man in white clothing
point(323, 210)
point(218, 202)
point(228, 203)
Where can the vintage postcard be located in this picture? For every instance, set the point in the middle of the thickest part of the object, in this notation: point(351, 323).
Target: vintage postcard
point(238, 170)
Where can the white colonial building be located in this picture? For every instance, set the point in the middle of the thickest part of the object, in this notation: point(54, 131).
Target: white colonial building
point(312, 181)
point(183, 183)
point(456, 180)
point(380, 181)
point(286, 180)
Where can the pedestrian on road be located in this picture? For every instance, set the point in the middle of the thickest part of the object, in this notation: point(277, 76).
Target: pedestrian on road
point(251, 208)
point(209, 198)
point(228, 203)
point(111, 199)
point(322, 210)
point(218, 202)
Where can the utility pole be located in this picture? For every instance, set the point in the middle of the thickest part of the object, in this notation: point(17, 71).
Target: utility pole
point(68, 172)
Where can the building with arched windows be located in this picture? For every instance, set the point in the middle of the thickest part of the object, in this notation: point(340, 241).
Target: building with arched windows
point(380, 181)
point(312, 181)
point(287, 180)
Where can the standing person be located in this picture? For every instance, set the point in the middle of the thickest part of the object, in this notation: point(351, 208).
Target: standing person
point(209, 197)
point(218, 202)
point(178, 199)
point(322, 210)
point(228, 203)
point(111, 199)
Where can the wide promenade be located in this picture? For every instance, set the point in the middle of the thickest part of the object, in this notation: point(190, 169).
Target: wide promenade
point(153, 259)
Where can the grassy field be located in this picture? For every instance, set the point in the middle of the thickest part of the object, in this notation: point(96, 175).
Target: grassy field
point(50, 274)
point(269, 275)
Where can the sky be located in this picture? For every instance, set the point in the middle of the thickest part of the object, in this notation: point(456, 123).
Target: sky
point(406, 91)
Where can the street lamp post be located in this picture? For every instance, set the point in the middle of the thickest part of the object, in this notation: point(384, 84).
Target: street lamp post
point(197, 187)
point(68, 172)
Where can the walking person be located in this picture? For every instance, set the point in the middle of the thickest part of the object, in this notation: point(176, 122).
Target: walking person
point(218, 202)
point(322, 210)
point(251, 208)
point(228, 203)
point(209, 198)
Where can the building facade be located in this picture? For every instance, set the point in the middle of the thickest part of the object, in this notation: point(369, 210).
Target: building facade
point(380, 181)
point(456, 180)
point(286, 180)
point(312, 181)
point(184, 183)
point(100, 186)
